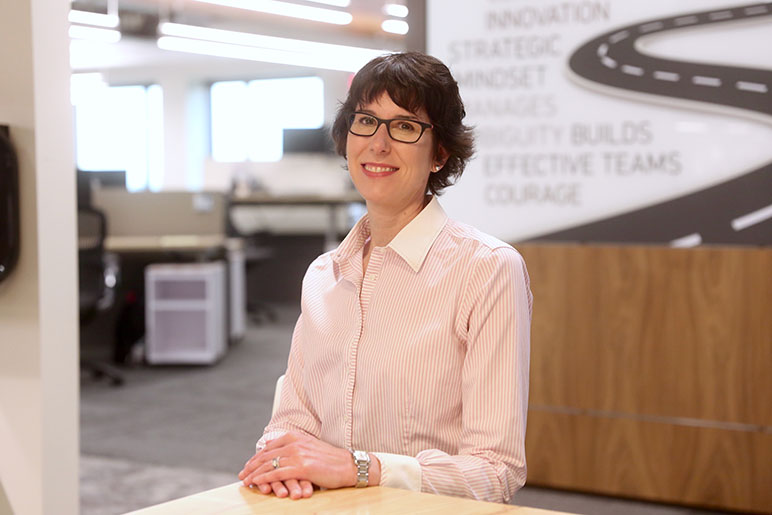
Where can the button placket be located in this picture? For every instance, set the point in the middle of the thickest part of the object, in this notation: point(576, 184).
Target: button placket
point(351, 366)
point(370, 278)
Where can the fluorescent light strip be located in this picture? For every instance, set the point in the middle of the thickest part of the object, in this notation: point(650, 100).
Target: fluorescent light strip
point(256, 47)
point(97, 19)
point(396, 10)
point(395, 26)
point(94, 34)
point(287, 9)
point(259, 40)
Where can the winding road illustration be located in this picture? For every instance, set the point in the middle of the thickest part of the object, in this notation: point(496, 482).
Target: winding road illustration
point(738, 211)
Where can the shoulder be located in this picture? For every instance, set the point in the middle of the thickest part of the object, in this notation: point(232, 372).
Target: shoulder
point(320, 267)
point(482, 247)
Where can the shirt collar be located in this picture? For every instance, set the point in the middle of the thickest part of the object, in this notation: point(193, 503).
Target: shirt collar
point(416, 238)
point(412, 243)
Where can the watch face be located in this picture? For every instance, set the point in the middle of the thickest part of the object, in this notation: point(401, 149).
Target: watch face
point(361, 456)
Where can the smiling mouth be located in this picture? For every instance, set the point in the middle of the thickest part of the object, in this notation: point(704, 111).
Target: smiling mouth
point(379, 169)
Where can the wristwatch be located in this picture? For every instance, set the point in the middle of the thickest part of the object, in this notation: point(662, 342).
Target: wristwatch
point(362, 462)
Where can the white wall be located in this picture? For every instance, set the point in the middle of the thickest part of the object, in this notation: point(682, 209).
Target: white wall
point(185, 80)
point(38, 304)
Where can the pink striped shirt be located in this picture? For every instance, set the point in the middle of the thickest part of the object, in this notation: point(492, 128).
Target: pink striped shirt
point(422, 360)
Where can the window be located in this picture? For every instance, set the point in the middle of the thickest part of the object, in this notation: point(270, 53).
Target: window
point(248, 118)
point(119, 128)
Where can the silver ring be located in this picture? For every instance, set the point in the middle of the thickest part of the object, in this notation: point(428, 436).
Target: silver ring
point(275, 462)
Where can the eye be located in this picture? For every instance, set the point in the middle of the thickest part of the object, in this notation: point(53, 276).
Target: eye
point(363, 119)
point(406, 126)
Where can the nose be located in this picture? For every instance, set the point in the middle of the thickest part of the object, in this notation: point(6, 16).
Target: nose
point(380, 142)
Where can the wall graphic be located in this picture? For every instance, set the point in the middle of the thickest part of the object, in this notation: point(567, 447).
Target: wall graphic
point(613, 121)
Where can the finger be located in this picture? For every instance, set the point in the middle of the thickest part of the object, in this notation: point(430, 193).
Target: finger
point(247, 468)
point(307, 488)
point(257, 466)
point(278, 442)
point(265, 488)
point(282, 460)
point(295, 492)
point(253, 471)
point(267, 455)
point(279, 489)
point(273, 476)
point(266, 473)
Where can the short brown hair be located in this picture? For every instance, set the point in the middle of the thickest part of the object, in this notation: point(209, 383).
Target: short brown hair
point(414, 81)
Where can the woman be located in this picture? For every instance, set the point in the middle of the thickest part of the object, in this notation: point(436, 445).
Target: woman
point(409, 362)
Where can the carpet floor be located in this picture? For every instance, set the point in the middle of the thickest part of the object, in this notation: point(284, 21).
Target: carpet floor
point(172, 431)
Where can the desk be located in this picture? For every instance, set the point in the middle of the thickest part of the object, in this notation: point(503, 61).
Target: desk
point(169, 243)
point(332, 202)
point(235, 499)
point(139, 251)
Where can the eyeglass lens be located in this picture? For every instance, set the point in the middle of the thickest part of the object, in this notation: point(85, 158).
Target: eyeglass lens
point(406, 131)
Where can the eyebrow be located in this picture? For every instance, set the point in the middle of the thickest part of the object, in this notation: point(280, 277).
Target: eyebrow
point(398, 117)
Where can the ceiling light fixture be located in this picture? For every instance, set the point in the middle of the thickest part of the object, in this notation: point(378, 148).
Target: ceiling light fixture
point(287, 9)
point(257, 47)
point(396, 10)
point(395, 26)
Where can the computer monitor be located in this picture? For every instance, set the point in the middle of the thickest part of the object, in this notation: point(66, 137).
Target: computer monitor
point(90, 179)
point(308, 140)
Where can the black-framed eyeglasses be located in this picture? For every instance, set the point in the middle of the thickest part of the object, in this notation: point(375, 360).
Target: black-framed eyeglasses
point(399, 129)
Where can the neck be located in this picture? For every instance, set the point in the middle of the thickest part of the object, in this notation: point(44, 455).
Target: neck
point(385, 224)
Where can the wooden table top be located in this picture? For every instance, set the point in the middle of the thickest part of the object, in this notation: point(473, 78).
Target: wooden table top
point(236, 499)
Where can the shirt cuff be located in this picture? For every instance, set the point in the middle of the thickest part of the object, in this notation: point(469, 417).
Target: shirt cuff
point(398, 471)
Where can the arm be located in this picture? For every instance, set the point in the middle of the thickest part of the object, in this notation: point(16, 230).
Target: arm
point(292, 437)
point(295, 413)
point(495, 319)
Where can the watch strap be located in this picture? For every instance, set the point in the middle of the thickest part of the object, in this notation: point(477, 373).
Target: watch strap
point(362, 463)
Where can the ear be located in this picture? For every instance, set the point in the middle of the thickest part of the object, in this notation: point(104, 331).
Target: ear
point(440, 158)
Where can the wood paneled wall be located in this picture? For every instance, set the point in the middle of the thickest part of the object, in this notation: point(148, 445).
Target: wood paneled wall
point(651, 373)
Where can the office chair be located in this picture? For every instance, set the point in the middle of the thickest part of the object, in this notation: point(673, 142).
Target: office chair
point(98, 275)
point(277, 394)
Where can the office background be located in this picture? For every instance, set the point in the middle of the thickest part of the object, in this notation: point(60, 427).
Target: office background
point(649, 363)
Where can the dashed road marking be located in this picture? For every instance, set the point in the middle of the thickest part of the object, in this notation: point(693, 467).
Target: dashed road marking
point(602, 50)
point(690, 240)
point(701, 80)
point(668, 76)
point(720, 15)
point(619, 36)
point(758, 216)
point(757, 9)
point(756, 87)
point(648, 27)
point(632, 70)
point(608, 62)
point(685, 20)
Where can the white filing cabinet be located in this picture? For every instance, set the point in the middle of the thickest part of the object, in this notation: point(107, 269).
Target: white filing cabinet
point(185, 313)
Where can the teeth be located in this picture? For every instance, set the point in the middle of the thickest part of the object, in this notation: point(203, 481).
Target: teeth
point(379, 169)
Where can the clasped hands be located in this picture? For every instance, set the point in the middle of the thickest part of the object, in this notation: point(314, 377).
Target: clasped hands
point(303, 461)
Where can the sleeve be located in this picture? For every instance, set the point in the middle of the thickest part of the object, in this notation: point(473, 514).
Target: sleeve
point(495, 318)
point(295, 412)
